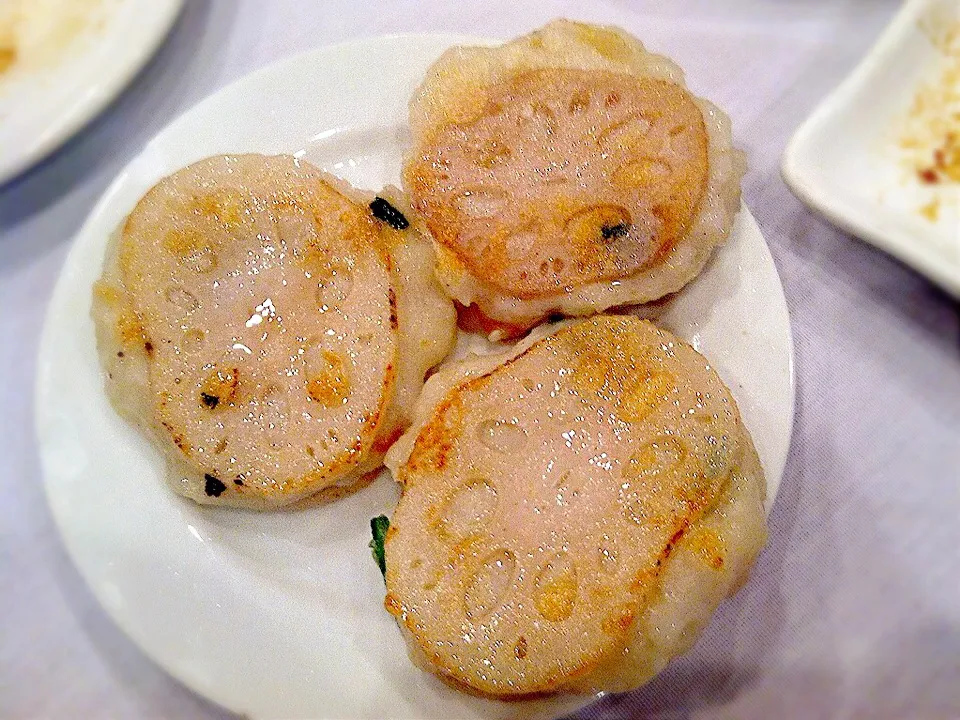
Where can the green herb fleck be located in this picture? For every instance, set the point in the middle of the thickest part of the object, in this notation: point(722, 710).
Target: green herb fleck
point(378, 527)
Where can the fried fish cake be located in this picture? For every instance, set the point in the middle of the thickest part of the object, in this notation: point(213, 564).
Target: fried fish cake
point(572, 513)
point(566, 172)
point(259, 321)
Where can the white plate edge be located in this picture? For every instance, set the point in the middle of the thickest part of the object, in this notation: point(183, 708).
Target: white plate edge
point(791, 371)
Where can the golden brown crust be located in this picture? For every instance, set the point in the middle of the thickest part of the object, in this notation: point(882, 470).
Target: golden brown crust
point(543, 499)
point(252, 315)
point(568, 177)
point(566, 172)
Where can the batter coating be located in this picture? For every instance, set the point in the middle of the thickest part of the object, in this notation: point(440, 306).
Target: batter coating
point(257, 321)
point(567, 171)
point(572, 513)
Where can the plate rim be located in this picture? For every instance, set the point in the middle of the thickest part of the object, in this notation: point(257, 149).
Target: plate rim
point(84, 109)
point(857, 221)
point(791, 367)
point(103, 207)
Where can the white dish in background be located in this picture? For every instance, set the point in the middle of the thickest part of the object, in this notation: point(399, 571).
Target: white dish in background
point(849, 159)
point(74, 57)
point(280, 614)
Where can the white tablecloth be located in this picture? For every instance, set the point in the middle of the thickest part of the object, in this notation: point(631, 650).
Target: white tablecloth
point(854, 608)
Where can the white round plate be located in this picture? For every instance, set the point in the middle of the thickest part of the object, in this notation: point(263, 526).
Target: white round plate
point(93, 48)
point(280, 614)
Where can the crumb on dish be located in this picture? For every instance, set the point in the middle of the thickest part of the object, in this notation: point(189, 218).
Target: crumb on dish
point(929, 140)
